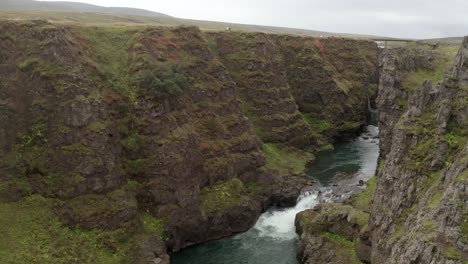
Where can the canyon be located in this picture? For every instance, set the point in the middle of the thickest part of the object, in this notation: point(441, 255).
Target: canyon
point(124, 144)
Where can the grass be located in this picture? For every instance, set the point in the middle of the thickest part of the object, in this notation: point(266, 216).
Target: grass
point(97, 18)
point(41, 68)
point(111, 46)
point(153, 225)
point(362, 200)
point(442, 63)
point(32, 233)
point(286, 160)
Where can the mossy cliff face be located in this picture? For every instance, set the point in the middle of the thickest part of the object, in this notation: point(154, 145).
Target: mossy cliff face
point(309, 90)
point(402, 70)
point(419, 208)
point(131, 139)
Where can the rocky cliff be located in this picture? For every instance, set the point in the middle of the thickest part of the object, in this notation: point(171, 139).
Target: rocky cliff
point(124, 140)
point(424, 172)
point(414, 210)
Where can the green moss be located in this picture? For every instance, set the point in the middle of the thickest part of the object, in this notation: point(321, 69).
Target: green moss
point(286, 160)
point(153, 225)
point(77, 148)
point(344, 247)
point(31, 233)
point(217, 198)
point(452, 253)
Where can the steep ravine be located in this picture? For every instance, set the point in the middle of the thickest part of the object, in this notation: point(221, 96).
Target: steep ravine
point(125, 141)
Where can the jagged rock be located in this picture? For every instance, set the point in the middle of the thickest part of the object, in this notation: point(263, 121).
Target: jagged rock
point(288, 189)
point(326, 234)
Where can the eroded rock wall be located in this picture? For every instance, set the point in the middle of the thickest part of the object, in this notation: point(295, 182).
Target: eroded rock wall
point(87, 124)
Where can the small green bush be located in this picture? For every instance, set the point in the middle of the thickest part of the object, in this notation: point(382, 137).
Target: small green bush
point(164, 81)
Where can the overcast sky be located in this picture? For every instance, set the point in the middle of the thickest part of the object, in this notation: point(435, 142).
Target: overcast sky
point(395, 18)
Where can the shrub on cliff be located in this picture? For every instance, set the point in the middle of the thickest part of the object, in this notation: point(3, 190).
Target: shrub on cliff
point(164, 81)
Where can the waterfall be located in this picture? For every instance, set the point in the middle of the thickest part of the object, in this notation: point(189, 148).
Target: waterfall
point(279, 224)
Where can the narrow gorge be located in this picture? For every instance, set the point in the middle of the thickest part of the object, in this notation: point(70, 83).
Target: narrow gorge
point(141, 144)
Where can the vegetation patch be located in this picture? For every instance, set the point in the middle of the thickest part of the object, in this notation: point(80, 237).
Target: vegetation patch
point(219, 197)
point(464, 228)
point(436, 199)
point(344, 247)
point(111, 45)
point(318, 125)
point(164, 81)
point(362, 200)
point(153, 225)
point(32, 233)
point(41, 68)
point(452, 253)
point(133, 141)
point(286, 160)
point(439, 66)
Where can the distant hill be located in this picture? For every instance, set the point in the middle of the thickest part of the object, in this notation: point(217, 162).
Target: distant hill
point(30, 5)
point(73, 12)
point(449, 41)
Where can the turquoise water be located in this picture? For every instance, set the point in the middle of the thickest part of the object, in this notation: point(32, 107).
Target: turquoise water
point(273, 239)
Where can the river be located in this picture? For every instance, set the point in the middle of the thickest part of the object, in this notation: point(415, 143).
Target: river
point(273, 238)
